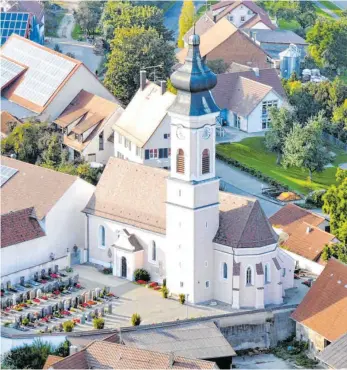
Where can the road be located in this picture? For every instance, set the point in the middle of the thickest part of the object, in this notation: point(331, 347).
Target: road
point(240, 183)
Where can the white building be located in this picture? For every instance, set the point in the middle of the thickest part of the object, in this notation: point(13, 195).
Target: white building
point(177, 225)
point(40, 218)
point(86, 126)
point(142, 133)
point(40, 83)
point(246, 97)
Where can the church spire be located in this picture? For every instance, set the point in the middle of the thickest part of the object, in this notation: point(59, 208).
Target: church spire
point(193, 81)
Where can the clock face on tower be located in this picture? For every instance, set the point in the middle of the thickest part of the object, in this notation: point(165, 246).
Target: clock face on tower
point(179, 133)
point(207, 132)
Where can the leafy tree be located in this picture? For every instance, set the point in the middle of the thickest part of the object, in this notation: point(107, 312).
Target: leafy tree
point(27, 356)
point(132, 49)
point(304, 147)
point(125, 15)
point(335, 204)
point(282, 121)
point(135, 319)
point(52, 155)
point(339, 120)
point(336, 250)
point(186, 21)
point(328, 42)
point(217, 66)
point(88, 15)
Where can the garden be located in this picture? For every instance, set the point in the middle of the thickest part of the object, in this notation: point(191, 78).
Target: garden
point(251, 155)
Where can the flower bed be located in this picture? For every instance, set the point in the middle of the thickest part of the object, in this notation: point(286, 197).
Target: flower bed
point(56, 292)
point(157, 287)
point(55, 276)
point(36, 300)
point(44, 297)
point(141, 282)
point(76, 321)
point(153, 284)
point(66, 313)
point(90, 303)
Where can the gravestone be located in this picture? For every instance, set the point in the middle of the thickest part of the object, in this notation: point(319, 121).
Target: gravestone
point(43, 274)
point(96, 312)
point(14, 298)
point(93, 295)
point(89, 317)
point(102, 311)
point(75, 278)
point(80, 299)
point(83, 319)
point(32, 294)
point(50, 309)
point(55, 285)
point(109, 310)
point(60, 326)
point(22, 280)
point(8, 285)
point(70, 282)
point(49, 288)
point(98, 292)
point(39, 293)
point(86, 297)
point(61, 305)
point(42, 313)
point(75, 302)
point(49, 271)
point(45, 311)
point(2, 286)
point(108, 290)
point(46, 329)
point(36, 276)
point(56, 269)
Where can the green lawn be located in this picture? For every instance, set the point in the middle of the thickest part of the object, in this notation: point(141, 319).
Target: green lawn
point(202, 9)
point(77, 32)
point(288, 25)
point(252, 152)
point(321, 13)
point(52, 22)
point(334, 8)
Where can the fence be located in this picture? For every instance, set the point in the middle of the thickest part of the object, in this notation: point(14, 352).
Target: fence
point(332, 139)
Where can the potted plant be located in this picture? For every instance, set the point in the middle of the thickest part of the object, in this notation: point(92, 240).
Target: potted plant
point(135, 319)
point(182, 298)
point(98, 323)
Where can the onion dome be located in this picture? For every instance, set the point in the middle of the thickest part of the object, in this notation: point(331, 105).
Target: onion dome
point(193, 81)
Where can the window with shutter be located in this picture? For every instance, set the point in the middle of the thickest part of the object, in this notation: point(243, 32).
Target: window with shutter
point(205, 165)
point(180, 161)
point(147, 154)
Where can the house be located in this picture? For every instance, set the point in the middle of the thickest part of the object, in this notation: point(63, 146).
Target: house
point(7, 120)
point(103, 354)
point(37, 82)
point(321, 317)
point(177, 225)
point(335, 354)
point(142, 133)
point(242, 14)
point(86, 125)
point(40, 213)
point(274, 42)
point(227, 42)
point(302, 236)
point(24, 18)
point(246, 97)
point(199, 340)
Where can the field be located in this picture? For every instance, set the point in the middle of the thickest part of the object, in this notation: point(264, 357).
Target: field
point(334, 8)
point(252, 152)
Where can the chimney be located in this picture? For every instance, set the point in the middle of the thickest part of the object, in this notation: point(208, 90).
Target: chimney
point(308, 229)
point(162, 87)
point(142, 80)
point(256, 71)
point(73, 350)
point(254, 36)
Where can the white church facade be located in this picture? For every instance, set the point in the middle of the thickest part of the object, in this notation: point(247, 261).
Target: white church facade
point(207, 244)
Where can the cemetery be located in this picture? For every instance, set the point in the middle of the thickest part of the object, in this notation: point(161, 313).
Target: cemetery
point(53, 301)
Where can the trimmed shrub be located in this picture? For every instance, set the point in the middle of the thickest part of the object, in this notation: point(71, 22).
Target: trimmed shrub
point(68, 326)
point(182, 298)
point(25, 322)
point(164, 282)
point(98, 323)
point(135, 319)
point(107, 270)
point(142, 274)
point(315, 198)
point(165, 292)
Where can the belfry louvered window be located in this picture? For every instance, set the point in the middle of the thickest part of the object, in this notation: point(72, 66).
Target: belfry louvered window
point(205, 164)
point(180, 161)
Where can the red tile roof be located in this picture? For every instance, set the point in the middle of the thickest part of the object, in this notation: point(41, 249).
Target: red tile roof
point(51, 360)
point(20, 226)
point(324, 308)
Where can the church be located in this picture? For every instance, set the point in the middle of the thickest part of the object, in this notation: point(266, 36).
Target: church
point(207, 244)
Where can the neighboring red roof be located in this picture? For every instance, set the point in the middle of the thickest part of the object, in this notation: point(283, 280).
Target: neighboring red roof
point(20, 226)
point(6, 119)
point(51, 360)
point(324, 308)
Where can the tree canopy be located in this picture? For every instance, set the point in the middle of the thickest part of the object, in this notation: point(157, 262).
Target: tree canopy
point(133, 49)
point(186, 21)
point(88, 15)
point(328, 42)
point(335, 205)
point(124, 15)
point(304, 147)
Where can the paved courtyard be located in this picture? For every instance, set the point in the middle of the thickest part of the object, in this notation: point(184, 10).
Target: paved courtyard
point(262, 361)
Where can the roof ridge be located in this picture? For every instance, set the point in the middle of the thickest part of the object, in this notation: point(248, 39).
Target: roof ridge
point(318, 229)
point(261, 83)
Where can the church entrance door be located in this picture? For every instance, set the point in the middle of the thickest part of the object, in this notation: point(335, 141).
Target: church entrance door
point(124, 267)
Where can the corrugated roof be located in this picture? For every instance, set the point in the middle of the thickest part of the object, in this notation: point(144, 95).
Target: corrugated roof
point(143, 115)
point(335, 354)
point(33, 186)
point(193, 340)
point(324, 308)
point(277, 36)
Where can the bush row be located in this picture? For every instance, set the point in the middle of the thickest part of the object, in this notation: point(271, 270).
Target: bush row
point(251, 171)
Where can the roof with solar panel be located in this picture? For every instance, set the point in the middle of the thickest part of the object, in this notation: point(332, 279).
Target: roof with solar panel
point(32, 74)
point(16, 22)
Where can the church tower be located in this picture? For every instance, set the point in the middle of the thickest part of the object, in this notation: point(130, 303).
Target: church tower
point(192, 208)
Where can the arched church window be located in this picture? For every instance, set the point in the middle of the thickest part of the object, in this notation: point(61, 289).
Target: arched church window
point(249, 276)
point(267, 273)
point(180, 161)
point(225, 270)
point(102, 236)
point(154, 251)
point(205, 163)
